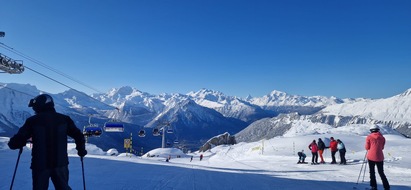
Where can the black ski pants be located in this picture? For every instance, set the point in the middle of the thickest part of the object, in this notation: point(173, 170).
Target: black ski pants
point(333, 157)
point(380, 169)
point(59, 177)
point(314, 159)
point(342, 157)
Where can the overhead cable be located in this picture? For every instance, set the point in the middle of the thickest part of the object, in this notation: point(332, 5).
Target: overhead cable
point(56, 71)
point(47, 67)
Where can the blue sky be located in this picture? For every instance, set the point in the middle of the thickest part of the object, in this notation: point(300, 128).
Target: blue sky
point(347, 48)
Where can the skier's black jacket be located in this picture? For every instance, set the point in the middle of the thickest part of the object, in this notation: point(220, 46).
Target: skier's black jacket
point(48, 130)
point(321, 145)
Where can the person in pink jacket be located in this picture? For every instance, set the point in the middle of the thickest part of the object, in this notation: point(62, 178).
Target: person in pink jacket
point(314, 151)
point(374, 144)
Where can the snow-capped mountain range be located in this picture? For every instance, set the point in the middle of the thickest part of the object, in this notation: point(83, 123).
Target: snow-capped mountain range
point(197, 116)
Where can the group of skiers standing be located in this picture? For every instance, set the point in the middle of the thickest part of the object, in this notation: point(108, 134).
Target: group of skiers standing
point(317, 149)
point(374, 145)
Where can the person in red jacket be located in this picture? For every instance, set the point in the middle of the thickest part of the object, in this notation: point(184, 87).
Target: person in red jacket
point(334, 149)
point(374, 144)
point(314, 151)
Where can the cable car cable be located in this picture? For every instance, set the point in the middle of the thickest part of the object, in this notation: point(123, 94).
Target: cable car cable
point(11, 49)
point(56, 71)
point(82, 93)
point(70, 87)
point(95, 130)
point(49, 78)
point(31, 95)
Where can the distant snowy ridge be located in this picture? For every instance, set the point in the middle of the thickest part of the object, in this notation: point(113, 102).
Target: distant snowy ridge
point(393, 112)
point(294, 124)
point(278, 98)
point(229, 106)
point(198, 116)
point(396, 108)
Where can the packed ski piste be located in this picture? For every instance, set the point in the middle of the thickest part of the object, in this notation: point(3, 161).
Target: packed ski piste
point(266, 164)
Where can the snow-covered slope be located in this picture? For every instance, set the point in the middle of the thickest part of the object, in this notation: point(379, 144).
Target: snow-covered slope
point(264, 165)
point(396, 108)
point(392, 112)
point(14, 110)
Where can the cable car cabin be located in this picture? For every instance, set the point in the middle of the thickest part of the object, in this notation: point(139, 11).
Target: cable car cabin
point(170, 130)
point(156, 132)
point(142, 133)
point(113, 127)
point(176, 142)
point(92, 130)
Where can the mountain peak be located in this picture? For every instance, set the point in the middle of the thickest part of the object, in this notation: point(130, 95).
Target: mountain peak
point(20, 87)
point(208, 91)
point(249, 97)
point(406, 93)
point(211, 95)
point(123, 91)
point(277, 93)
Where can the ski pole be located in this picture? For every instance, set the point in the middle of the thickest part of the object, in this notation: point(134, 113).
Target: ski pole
point(82, 169)
point(365, 169)
point(15, 170)
point(362, 165)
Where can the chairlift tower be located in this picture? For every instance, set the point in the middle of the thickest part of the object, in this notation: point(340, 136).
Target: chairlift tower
point(163, 135)
point(163, 140)
point(165, 129)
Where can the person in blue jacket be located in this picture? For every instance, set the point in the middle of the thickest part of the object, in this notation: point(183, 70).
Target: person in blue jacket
point(342, 151)
point(301, 157)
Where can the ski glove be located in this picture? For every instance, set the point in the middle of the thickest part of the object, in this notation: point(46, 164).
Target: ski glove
point(82, 152)
point(16, 142)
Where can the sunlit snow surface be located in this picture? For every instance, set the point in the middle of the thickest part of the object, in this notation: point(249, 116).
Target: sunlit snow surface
point(267, 164)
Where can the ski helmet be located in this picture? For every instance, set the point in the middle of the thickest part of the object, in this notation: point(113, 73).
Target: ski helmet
point(41, 102)
point(374, 128)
